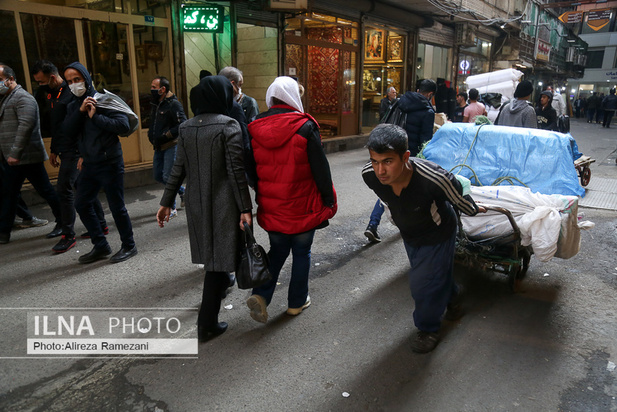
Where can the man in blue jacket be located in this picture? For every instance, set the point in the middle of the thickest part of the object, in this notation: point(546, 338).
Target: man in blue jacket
point(101, 164)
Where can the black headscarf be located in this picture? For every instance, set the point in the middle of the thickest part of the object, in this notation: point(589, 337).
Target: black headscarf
point(213, 94)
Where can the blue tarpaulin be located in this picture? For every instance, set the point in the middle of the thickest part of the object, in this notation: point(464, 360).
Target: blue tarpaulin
point(542, 160)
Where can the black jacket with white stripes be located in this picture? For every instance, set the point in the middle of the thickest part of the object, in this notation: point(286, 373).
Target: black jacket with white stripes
point(423, 212)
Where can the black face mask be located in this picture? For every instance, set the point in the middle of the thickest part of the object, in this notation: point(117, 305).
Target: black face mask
point(155, 94)
point(45, 88)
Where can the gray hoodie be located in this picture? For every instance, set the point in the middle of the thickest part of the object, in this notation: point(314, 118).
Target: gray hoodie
point(517, 113)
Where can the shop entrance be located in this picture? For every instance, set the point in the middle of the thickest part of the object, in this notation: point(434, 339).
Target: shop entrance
point(321, 52)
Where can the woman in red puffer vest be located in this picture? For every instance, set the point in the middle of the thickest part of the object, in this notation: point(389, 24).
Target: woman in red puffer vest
point(295, 195)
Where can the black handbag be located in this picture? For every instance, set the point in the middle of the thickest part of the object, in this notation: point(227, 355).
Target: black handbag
point(252, 270)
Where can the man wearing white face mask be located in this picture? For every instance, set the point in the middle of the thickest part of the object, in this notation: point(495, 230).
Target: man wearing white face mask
point(248, 104)
point(22, 152)
point(102, 166)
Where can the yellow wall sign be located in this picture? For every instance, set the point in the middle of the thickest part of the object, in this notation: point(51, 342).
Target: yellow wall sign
point(571, 17)
point(596, 19)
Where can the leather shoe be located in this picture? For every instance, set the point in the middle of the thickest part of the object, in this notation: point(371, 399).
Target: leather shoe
point(5, 238)
point(123, 254)
point(55, 233)
point(95, 254)
point(205, 334)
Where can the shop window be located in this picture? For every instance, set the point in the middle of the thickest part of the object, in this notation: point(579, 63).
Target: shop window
point(107, 58)
point(152, 60)
point(481, 48)
point(384, 53)
point(156, 8)
point(11, 53)
point(48, 38)
point(321, 52)
point(114, 6)
point(594, 59)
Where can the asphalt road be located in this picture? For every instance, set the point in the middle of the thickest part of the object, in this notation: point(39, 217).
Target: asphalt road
point(548, 347)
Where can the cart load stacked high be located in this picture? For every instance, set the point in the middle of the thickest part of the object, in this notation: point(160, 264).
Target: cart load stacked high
point(529, 180)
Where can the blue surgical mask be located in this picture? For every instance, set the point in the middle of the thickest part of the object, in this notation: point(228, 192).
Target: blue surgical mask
point(3, 88)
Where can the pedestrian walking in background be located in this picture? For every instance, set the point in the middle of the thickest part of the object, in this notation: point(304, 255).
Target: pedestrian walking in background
point(518, 112)
point(461, 104)
point(166, 116)
point(474, 108)
point(248, 104)
point(295, 195)
point(592, 105)
point(217, 197)
point(387, 102)
point(610, 105)
point(22, 152)
point(600, 109)
point(545, 113)
point(421, 197)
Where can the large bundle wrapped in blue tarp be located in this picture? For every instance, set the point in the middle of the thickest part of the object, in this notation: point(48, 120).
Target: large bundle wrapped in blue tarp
point(540, 159)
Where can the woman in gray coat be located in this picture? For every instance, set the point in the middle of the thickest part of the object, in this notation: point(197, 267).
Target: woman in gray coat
point(217, 197)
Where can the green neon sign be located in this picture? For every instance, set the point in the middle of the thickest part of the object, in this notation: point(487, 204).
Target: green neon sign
point(205, 19)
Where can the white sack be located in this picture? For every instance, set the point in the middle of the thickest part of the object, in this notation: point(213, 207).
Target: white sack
point(548, 223)
point(498, 76)
point(505, 88)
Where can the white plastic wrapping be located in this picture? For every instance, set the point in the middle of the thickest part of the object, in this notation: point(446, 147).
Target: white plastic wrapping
point(549, 223)
point(479, 80)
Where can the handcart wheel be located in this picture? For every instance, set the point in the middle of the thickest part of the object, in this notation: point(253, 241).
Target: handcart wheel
point(513, 276)
point(526, 259)
point(585, 176)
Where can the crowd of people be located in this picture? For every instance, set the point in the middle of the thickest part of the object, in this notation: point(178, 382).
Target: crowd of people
point(278, 153)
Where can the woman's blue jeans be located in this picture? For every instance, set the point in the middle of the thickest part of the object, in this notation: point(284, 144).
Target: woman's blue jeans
point(280, 246)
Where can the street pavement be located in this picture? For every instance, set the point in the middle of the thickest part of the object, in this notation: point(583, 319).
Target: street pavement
point(551, 346)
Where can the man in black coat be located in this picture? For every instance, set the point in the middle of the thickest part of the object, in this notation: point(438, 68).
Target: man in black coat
point(420, 115)
point(610, 105)
point(166, 117)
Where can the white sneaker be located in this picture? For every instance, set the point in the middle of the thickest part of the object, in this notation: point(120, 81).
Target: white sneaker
point(257, 305)
point(297, 311)
point(173, 213)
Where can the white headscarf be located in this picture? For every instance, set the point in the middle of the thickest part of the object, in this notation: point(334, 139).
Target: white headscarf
point(285, 89)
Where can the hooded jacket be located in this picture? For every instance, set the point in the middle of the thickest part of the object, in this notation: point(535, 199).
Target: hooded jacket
point(166, 117)
point(294, 187)
point(420, 119)
point(97, 137)
point(517, 113)
point(547, 116)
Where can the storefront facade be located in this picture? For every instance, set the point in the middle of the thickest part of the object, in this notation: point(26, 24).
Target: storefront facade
point(124, 49)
